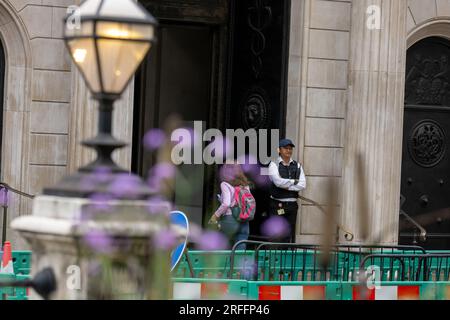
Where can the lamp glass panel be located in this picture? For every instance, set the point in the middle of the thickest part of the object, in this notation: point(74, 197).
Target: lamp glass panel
point(83, 54)
point(125, 30)
point(119, 60)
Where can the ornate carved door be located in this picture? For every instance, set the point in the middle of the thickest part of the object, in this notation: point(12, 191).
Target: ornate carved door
point(425, 183)
point(258, 75)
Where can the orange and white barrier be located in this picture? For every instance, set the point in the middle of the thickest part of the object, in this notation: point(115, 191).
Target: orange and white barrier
point(196, 291)
point(387, 293)
point(255, 290)
point(7, 262)
point(291, 293)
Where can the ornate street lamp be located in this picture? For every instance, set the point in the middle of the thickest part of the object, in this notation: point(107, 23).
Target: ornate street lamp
point(70, 227)
point(107, 44)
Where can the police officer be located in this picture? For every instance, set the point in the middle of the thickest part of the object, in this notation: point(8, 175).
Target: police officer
point(288, 178)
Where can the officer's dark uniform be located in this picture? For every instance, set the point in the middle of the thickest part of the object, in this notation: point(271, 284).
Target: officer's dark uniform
point(278, 204)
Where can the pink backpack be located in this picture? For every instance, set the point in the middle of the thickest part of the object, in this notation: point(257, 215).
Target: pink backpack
point(244, 205)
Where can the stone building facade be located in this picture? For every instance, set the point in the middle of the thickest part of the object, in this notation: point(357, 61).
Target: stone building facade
point(345, 101)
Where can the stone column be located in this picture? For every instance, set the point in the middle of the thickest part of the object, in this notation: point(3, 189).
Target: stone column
point(99, 250)
point(374, 123)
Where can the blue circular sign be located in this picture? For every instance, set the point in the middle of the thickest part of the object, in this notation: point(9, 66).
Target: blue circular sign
point(179, 218)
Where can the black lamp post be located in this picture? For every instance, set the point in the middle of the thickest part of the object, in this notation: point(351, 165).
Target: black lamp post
point(108, 45)
point(44, 283)
point(68, 226)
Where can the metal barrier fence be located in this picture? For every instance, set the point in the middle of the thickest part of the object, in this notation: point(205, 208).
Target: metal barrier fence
point(21, 259)
point(292, 262)
point(410, 267)
point(283, 262)
point(279, 271)
point(21, 265)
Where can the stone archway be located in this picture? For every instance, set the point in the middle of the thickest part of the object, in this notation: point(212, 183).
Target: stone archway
point(16, 107)
point(435, 28)
point(427, 18)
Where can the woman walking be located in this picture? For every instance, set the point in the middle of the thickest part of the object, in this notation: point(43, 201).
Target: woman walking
point(233, 180)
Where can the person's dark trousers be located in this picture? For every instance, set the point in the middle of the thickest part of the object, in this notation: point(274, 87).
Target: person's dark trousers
point(290, 214)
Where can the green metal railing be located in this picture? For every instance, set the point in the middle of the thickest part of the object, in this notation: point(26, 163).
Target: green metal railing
point(291, 271)
point(285, 262)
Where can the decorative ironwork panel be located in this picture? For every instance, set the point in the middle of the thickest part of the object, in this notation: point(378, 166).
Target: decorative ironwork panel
point(428, 73)
point(259, 19)
point(258, 74)
point(427, 143)
point(255, 109)
point(259, 43)
point(211, 11)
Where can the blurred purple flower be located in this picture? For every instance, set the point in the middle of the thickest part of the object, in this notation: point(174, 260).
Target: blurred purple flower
point(165, 240)
point(99, 202)
point(158, 173)
point(163, 170)
point(275, 227)
point(252, 169)
point(154, 139)
point(212, 240)
point(229, 171)
point(99, 176)
point(158, 205)
point(99, 241)
point(4, 197)
point(154, 183)
point(247, 162)
point(195, 233)
point(125, 186)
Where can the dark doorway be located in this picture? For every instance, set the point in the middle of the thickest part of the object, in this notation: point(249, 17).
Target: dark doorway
point(425, 184)
point(214, 60)
point(184, 75)
point(258, 85)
